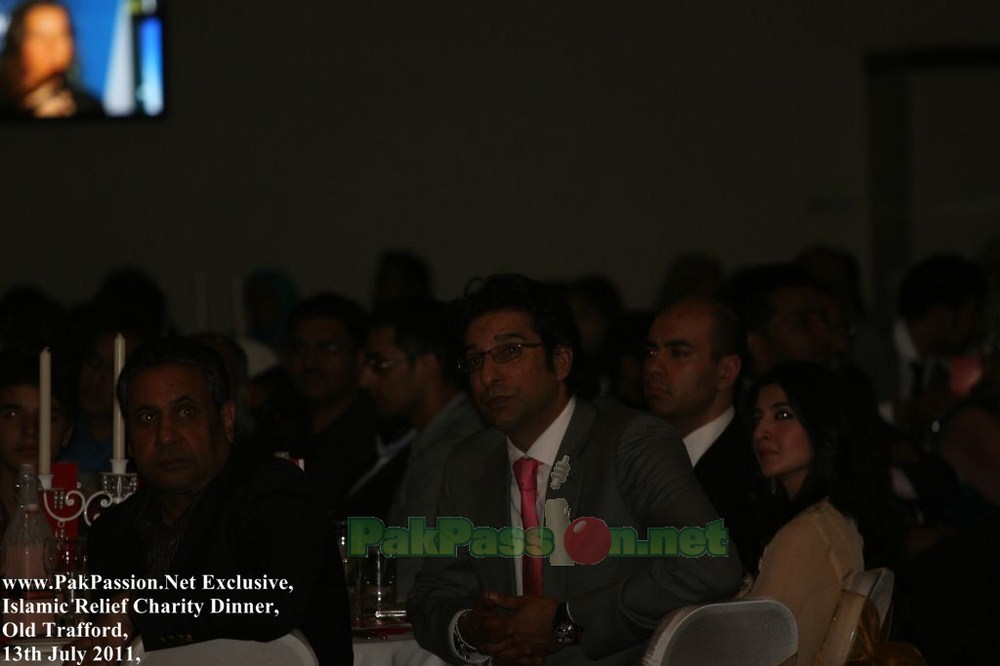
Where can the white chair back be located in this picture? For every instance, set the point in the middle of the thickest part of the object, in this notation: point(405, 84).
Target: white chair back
point(859, 630)
point(746, 631)
point(290, 650)
point(876, 584)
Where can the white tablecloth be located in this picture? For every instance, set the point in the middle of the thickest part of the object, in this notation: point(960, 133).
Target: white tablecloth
point(401, 650)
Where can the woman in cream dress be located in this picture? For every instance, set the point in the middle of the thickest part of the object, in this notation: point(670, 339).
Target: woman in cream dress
point(822, 518)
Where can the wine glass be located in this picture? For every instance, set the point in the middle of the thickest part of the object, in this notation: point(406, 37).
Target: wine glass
point(377, 587)
point(66, 556)
point(351, 565)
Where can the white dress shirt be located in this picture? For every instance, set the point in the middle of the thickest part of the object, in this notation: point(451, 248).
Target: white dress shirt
point(701, 440)
point(544, 450)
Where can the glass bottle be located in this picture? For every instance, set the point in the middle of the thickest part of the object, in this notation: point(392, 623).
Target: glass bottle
point(23, 551)
point(351, 566)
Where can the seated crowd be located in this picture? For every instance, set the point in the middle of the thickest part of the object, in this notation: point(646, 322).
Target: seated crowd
point(765, 399)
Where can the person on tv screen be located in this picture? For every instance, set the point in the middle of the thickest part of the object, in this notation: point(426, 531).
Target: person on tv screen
point(37, 62)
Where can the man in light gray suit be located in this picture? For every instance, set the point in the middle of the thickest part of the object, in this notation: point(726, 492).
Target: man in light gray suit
point(410, 371)
point(625, 468)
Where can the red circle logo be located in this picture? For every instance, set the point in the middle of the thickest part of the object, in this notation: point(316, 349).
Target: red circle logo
point(587, 540)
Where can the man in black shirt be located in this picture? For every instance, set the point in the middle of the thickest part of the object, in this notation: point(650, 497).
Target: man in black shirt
point(210, 509)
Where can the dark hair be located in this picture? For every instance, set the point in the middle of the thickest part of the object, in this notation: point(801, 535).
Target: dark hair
point(176, 350)
point(19, 369)
point(845, 465)
point(690, 274)
point(748, 291)
point(270, 295)
point(14, 37)
point(328, 305)
point(846, 284)
point(128, 300)
point(422, 325)
point(550, 315)
point(96, 319)
point(600, 292)
point(943, 279)
point(631, 334)
point(634, 333)
point(399, 271)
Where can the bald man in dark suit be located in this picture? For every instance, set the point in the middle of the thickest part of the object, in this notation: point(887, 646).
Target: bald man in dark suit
point(690, 371)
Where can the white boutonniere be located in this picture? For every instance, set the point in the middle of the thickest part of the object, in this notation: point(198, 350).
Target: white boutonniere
point(560, 472)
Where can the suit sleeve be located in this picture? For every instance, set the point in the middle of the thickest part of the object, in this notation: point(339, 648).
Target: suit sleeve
point(443, 587)
point(657, 483)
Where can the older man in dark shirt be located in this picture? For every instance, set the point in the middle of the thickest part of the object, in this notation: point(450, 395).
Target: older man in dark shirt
point(211, 514)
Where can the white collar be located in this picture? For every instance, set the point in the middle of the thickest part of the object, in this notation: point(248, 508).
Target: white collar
point(699, 441)
point(389, 449)
point(546, 447)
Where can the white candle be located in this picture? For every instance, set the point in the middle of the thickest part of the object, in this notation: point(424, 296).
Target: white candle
point(118, 427)
point(45, 412)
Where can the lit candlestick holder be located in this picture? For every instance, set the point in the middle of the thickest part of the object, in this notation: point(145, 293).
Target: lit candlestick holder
point(65, 506)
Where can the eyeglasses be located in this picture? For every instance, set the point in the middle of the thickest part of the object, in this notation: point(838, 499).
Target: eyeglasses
point(505, 353)
point(379, 365)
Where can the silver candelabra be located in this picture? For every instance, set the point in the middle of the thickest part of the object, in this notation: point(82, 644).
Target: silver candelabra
point(65, 506)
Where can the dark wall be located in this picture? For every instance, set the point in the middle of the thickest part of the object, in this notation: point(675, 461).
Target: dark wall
point(550, 140)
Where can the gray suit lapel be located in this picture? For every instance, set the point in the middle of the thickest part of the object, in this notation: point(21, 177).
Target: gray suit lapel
point(573, 445)
point(492, 503)
point(492, 483)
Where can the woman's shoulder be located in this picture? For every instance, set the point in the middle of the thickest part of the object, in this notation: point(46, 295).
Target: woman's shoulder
point(820, 521)
point(818, 538)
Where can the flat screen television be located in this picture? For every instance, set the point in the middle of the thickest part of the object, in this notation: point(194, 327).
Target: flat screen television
point(81, 58)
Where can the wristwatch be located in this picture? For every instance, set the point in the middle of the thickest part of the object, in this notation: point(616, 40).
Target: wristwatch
point(463, 648)
point(564, 630)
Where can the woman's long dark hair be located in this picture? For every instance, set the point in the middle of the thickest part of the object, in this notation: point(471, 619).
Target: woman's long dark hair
point(846, 466)
point(14, 40)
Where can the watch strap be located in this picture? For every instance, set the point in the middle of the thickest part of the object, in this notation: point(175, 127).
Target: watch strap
point(564, 630)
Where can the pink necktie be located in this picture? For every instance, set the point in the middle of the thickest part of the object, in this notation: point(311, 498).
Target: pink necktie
point(525, 471)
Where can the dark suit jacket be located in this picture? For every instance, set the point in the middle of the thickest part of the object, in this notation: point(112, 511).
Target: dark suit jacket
point(726, 472)
point(374, 498)
point(335, 457)
point(256, 517)
point(627, 468)
point(421, 485)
